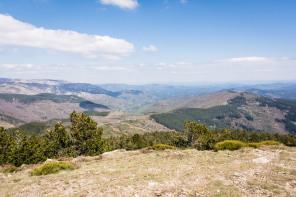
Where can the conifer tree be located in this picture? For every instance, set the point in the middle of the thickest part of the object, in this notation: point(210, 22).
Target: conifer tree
point(58, 142)
point(199, 135)
point(86, 135)
point(26, 150)
point(6, 146)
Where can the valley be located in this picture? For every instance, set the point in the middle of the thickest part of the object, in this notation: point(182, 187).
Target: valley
point(146, 108)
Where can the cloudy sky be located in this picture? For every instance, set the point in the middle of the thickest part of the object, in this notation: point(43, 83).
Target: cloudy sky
point(148, 41)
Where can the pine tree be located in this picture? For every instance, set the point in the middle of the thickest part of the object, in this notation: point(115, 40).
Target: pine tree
point(86, 135)
point(26, 150)
point(58, 142)
point(199, 135)
point(6, 146)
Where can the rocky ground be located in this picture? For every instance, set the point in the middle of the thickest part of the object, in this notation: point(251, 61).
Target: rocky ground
point(267, 171)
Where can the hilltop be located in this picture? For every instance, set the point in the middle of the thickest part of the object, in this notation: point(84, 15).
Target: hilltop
point(267, 171)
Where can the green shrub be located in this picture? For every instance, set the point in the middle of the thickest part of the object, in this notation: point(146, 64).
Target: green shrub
point(10, 169)
point(229, 145)
point(160, 147)
point(269, 143)
point(52, 167)
point(253, 145)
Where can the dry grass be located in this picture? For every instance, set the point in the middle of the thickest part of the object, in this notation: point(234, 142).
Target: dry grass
point(266, 171)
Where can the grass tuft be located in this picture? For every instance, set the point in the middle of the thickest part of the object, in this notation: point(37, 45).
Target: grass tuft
point(253, 145)
point(270, 143)
point(229, 145)
point(10, 169)
point(160, 147)
point(52, 167)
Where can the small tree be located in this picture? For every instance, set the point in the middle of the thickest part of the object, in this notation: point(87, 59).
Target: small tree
point(138, 142)
point(58, 142)
point(86, 135)
point(199, 136)
point(26, 150)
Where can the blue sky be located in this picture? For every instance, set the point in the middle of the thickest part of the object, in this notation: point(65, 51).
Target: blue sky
point(152, 41)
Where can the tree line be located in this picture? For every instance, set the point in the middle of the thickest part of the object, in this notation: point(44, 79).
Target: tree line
point(85, 138)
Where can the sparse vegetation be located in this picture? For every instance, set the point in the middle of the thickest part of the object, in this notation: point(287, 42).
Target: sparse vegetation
point(270, 143)
point(10, 169)
point(160, 147)
point(230, 145)
point(254, 145)
point(52, 167)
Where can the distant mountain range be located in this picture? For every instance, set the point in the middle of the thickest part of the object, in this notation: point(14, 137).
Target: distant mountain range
point(23, 101)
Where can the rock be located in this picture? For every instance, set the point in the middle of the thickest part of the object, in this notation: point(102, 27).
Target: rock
point(152, 183)
point(111, 152)
point(238, 175)
point(49, 160)
point(262, 160)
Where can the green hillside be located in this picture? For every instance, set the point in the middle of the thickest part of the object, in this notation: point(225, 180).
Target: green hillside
point(218, 116)
point(241, 112)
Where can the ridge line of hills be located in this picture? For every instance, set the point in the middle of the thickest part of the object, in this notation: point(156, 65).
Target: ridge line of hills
point(24, 101)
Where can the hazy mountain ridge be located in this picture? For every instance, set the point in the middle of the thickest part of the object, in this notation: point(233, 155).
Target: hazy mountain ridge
point(24, 100)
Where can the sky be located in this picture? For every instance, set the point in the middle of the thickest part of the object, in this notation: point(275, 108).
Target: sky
point(148, 41)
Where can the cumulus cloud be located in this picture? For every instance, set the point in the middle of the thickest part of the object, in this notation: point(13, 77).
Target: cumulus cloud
point(124, 4)
point(150, 48)
point(14, 32)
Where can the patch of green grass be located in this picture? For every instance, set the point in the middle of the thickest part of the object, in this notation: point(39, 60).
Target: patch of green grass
point(160, 147)
point(253, 145)
point(52, 167)
point(229, 145)
point(270, 143)
point(10, 169)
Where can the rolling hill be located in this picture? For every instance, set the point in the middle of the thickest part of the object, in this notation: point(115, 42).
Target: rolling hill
point(20, 108)
point(232, 109)
point(123, 100)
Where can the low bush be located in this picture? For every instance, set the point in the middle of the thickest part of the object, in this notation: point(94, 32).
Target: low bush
point(253, 145)
point(160, 147)
point(229, 145)
point(52, 167)
point(270, 143)
point(10, 169)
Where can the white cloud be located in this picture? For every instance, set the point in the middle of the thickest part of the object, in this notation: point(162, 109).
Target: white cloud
point(105, 68)
point(124, 4)
point(183, 1)
point(245, 59)
point(150, 48)
point(14, 32)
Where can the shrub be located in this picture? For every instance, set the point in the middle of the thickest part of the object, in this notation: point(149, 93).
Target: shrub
point(52, 167)
point(253, 145)
point(10, 169)
point(229, 145)
point(160, 147)
point(269, 143)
